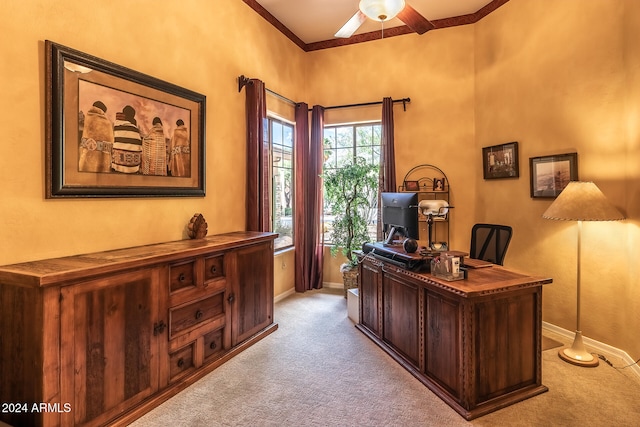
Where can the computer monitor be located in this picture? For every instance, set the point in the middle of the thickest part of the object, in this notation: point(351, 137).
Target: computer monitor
point(399, 215)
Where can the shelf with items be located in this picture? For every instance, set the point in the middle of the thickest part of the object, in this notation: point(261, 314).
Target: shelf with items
point(433, 189)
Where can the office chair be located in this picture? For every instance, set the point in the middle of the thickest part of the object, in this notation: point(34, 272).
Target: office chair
point(489, 242)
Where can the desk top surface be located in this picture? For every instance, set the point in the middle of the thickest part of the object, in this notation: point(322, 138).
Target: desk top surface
point(480, 281)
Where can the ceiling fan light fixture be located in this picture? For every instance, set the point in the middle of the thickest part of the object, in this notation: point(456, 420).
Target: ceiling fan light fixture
point(381, 10)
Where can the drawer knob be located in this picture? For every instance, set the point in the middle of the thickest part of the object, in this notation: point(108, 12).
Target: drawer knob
point(199, 314)
point(212, 346)
point(180, 362)
point(181, 277)
point(213, 269)
point(231, 299)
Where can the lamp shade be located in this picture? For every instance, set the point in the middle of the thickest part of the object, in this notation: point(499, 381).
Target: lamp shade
point(381, 10)
point(582, 201)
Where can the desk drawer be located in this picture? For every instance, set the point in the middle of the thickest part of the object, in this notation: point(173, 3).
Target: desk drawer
point(213, 343)
point(213, 267)
point(181, 361)
point(182, 276)
point(191, 315)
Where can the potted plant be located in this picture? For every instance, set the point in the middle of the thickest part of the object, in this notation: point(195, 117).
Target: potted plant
point(351, 194)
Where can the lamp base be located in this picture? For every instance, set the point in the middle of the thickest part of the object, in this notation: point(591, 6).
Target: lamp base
point(577, 354)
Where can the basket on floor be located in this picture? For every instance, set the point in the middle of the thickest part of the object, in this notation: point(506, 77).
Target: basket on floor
point(350, 279)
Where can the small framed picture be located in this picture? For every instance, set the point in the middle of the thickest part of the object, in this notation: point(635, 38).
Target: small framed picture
point(411, 186)
point(550, 174)
point(438, 184)
point(500, 161)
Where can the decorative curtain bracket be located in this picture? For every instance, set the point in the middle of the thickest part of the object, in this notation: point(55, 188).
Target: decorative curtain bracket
point(242, 81)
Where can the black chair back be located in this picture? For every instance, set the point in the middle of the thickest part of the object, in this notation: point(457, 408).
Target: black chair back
point(489, 242)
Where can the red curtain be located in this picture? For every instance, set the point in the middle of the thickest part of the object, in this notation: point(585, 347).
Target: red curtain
point(308, 198)
point(257, 200)
point(387, 176)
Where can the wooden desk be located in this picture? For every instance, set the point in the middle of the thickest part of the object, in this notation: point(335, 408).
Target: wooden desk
point(476, 343)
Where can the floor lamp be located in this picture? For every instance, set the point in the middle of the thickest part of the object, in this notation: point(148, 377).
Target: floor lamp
point(581, 201)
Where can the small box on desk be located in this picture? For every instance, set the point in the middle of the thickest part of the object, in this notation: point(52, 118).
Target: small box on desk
point(447, 266)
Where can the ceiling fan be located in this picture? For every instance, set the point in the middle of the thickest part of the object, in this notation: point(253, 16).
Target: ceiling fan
point(384, 10)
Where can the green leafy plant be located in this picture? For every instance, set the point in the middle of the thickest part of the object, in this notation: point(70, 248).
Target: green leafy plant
point(351, 193)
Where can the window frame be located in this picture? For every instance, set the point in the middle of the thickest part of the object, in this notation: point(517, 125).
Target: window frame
point(273, 192)
point(354, 153)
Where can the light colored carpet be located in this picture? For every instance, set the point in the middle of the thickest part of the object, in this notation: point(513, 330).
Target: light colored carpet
point(317, 369)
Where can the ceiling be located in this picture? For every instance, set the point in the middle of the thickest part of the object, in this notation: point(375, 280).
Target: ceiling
point(311, 24)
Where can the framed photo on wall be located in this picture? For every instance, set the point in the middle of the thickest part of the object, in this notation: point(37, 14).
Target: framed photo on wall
point(550, 174)
point(500, 161)
point(115, 132)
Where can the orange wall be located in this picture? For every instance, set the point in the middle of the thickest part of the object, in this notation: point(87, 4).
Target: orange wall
point(559, 78)
point(198, 44)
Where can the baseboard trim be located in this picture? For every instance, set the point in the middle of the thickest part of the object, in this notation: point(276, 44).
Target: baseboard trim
point(597, 346)
point(334, 285)
point(283, 295)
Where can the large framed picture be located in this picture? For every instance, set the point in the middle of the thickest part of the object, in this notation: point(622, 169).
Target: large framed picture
point(550, 174)
point(500, 161)
point(115, 132)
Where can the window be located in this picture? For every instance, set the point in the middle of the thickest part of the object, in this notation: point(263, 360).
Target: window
point(342, 143)
point(281, 142)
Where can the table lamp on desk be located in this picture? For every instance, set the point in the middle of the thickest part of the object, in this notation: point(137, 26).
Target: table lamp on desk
point(433, 209)
point(581, 201)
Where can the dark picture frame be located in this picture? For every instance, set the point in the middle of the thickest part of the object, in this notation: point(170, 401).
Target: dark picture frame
point(438, 184)
point(411, 186)
point(154, 148)
point(500, 161)
point(549, 175)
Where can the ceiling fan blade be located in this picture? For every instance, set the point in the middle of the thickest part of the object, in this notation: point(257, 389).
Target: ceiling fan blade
point(414, 20)
point(352, 25)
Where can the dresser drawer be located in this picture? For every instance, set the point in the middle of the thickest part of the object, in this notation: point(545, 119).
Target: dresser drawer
point(213, 267)
point(213, 343)
point(182, 276)
point(191, 315)
point(181, 361)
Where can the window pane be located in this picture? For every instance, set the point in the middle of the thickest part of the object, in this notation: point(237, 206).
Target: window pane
point(329, 138)
point(276, 133)
point(344, 137)
point(287, 137)
point(364, 135)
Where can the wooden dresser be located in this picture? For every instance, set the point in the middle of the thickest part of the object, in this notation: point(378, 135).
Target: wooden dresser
point(476, 343)
point(102, 338)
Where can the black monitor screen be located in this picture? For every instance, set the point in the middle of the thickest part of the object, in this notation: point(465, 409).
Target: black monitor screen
point(400, 215)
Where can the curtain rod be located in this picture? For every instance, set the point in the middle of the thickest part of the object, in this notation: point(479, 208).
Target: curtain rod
point(242, 82)
point(365, 104)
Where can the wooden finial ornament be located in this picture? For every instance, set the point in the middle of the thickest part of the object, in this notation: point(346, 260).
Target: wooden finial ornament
point(197, 228)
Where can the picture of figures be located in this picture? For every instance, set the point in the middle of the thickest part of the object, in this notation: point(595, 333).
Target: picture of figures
point(115, 132)
point(125, 133)
point(500, 161)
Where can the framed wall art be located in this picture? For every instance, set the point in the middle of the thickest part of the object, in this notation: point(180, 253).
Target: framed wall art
point(550, 174)
point(115, 132)
point(500, 161)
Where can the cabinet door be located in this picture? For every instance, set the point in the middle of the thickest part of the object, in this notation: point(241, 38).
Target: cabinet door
point(401, 317)
point(369, 293)
point(110, 348)
point(442, 340)
point(252, 295)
